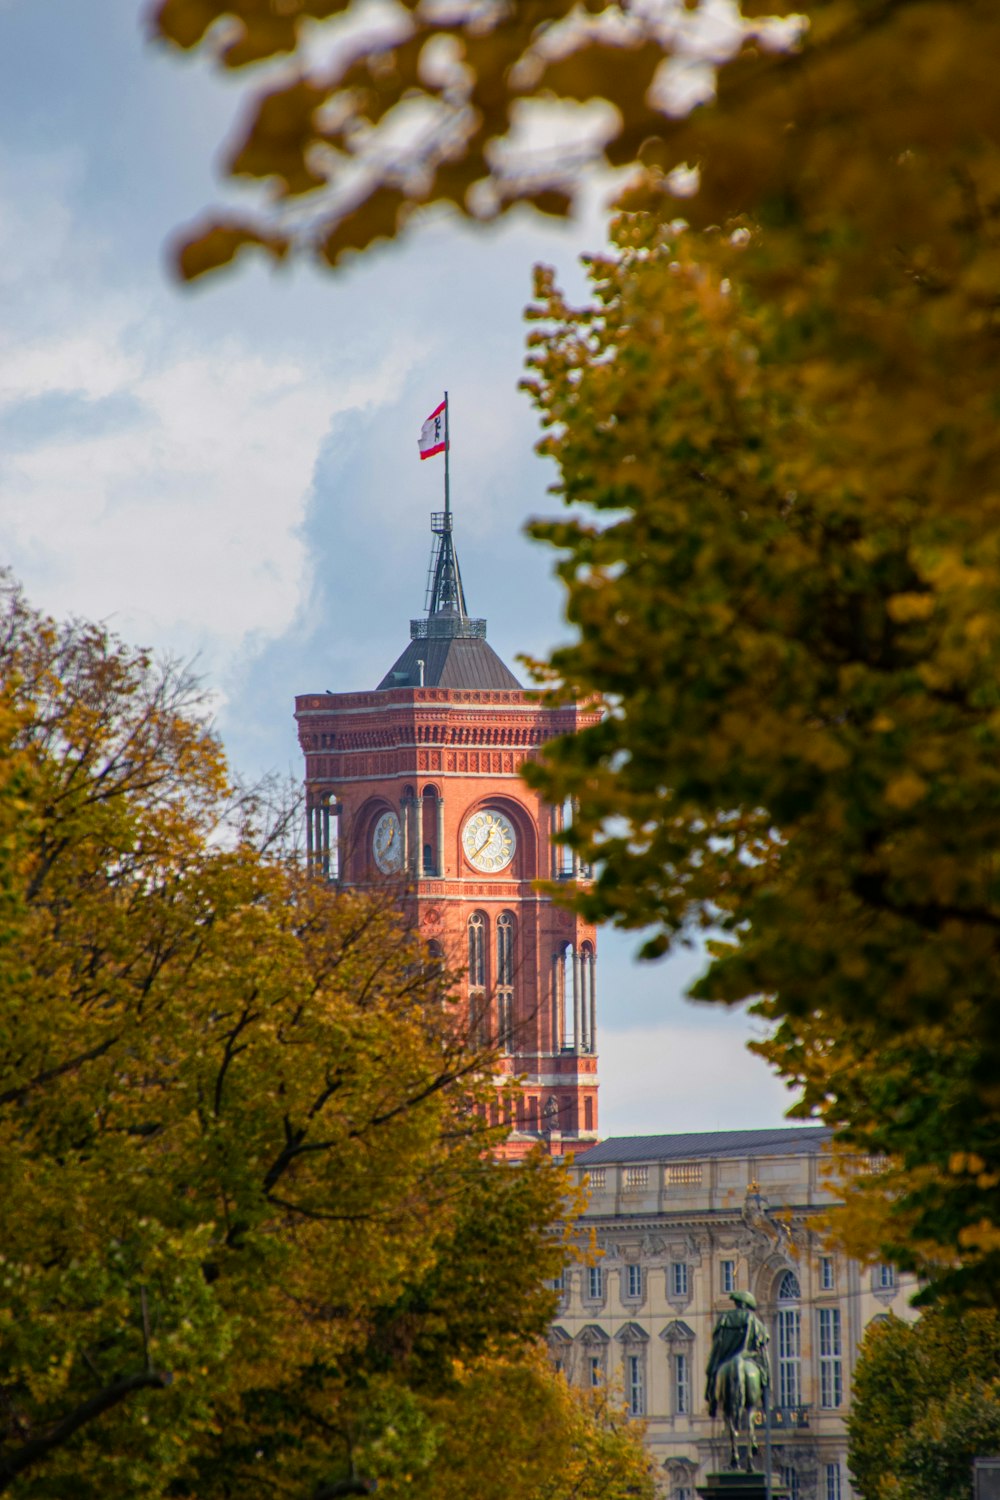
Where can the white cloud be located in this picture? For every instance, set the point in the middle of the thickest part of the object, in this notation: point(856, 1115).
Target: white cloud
point(150, 474)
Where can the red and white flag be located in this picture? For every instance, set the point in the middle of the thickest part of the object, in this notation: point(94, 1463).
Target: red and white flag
point(432, 438)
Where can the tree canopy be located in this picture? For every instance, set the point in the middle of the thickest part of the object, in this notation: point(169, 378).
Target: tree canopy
point(254, 1238)
point(926, 1402)
point(778, 423)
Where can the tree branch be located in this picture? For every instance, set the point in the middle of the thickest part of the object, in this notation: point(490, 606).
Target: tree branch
point(39, 1448)
point(19, 1094)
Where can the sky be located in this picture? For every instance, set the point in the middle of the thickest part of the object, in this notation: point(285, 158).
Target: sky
point(229, 473)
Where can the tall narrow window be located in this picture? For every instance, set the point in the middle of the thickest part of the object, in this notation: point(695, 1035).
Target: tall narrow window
point(885, 1277)
point(596, 1364)
point(588, 1000)
point(477, 951)
point(790, 1479)
point(727, 1269)
point(635, 1393)
point(826, 1277)
point(833, 1482)
point(678, 1279)
point(633, 1281)
point(505, 981)
point(789, 1341)
point(563, 859)
point(479, 1027)
point(682, 1385)
point(430, 831)
point(595, 1283)
point(566, 997)
point(831, 1389)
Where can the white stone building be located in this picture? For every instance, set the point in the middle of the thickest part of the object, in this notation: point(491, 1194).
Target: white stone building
point(680, 1221)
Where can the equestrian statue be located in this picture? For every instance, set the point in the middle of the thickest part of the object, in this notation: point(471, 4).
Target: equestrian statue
point(739, 1375)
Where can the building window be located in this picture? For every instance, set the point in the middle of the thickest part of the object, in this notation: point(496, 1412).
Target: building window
point(826, 1276)
point(831, 1391)
point(479, 1015)
point(477, 951)
point(833, 1482)
point(790, 1479)
point(684, 1174)
point(885, 1278)
point(505, 1021)
point(635, 1393)
point(559, 1283)
point(682, 1385)
point(682, 1494)
point(633, 1281)
point(588, 999)
point(678, 1279)
point(505, 981)
point(728, 1274)
point(595, 1365)
point(636, 1177)
point(595, 1283)
point(789, 1341)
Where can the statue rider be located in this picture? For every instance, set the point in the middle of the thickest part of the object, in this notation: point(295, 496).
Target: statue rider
point(739, 1331)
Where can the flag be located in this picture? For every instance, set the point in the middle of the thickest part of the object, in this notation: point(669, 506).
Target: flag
point(432, 438)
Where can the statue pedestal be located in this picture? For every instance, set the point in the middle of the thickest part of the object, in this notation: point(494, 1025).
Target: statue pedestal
point(736, 1484)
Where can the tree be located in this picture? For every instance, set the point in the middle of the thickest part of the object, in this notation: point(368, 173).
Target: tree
point(250, 1210)
point(778, 421)
point(425, 105)
point(926, 1403)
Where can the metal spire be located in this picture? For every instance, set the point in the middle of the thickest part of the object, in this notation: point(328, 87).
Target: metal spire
point(447, 614)
point(444, 578)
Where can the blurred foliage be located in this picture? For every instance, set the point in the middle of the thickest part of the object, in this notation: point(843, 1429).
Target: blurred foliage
point(253, 1239)
point(926, 1403)
point(364, 114)
point(778, 424)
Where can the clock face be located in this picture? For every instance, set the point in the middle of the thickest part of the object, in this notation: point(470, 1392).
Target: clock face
point(387, 844)
point(489, 841)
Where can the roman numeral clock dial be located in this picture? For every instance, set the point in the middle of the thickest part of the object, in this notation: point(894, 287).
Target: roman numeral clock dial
point(489, 841)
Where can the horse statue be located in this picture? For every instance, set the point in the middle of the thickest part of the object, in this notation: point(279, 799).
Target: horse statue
point(739, 1375)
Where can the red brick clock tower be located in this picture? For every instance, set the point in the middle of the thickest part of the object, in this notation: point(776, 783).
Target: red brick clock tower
point(416, 784)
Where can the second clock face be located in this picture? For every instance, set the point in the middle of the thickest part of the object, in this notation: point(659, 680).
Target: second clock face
point(489, 841)
point(387, 844)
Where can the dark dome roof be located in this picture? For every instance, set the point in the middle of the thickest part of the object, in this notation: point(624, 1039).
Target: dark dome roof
point(455, 654)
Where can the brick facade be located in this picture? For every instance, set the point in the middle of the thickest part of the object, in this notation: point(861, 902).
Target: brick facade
point(433, 757)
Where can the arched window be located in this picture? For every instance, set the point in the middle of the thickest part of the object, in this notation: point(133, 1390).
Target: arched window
point(431, 831)
point(505, 980)
point(588, 999)
point(562, 998)
point(478, 1005)
point(505, 949)
point(477, 951)
point(789, 1341)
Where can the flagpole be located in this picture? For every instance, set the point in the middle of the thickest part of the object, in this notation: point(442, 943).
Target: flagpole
point(447, 457)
